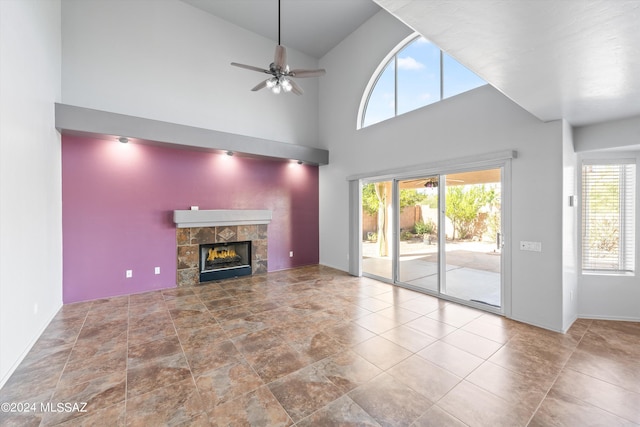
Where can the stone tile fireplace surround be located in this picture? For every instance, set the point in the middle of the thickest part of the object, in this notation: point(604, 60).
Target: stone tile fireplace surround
point(194, 228)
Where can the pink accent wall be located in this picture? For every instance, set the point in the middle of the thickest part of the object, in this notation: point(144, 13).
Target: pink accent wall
point(118, 202)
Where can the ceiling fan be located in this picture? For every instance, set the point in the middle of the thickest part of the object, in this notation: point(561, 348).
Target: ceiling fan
point(281, 75)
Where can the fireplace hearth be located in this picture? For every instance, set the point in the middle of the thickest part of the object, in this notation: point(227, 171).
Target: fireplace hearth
point(217, 229)
point(224, 260)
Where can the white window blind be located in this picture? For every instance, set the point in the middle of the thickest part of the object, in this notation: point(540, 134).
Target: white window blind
point(608, 216)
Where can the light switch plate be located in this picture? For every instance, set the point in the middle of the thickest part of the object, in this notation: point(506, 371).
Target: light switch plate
point(531, 246)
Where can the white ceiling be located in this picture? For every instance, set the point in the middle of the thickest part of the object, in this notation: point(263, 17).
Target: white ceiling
point(313, 27)
point(572, 59)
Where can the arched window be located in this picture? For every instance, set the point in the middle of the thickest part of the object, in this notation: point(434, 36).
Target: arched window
point(414, 74)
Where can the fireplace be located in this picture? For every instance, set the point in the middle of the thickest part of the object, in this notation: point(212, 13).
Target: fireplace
point(243, 232)
point(224, 260)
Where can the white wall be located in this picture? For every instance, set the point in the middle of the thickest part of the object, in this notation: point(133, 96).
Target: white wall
point(611, 297)
point(570, 233)
point(167, 60)
point(478, 122)
point(30, 176)
point(623, 134)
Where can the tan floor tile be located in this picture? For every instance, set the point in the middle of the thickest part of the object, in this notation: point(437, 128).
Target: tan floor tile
point(213, 356)
point(520, 361)
point(472, 343)
point(409, 338)
point(490, 330)
point(611, 398)
point(82, 370)
point(376, 323)
point(113, 416)
point(558, 409)
point(193, 338)
point(390, 402)
point(451, 358)
point(454, 315)
point(437, 417)
point(296, 331)
point(341, 412)
point(316, 346)
point(227, 383)
point(172, 405)
point(424, 377)
point(303, 392)
point(276, 362)
point(157, 373)
point(372, 304)
point(511, 386)
point(431, 327)
point(347, 370)
point(258, 407)
point(140, 354)
point(381, 352)
point(99, 393)
point(623, 373)
point(477, 407)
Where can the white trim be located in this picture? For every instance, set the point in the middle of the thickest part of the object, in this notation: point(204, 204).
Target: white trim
point(220, 217)
point(470, 162)
point(616, 318)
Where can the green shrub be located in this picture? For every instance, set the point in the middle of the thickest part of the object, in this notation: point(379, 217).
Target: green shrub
point(425, 228)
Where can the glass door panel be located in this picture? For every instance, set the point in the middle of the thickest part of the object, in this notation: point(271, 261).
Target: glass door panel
point(418, 248)
point(472, 252)
point(377, 229)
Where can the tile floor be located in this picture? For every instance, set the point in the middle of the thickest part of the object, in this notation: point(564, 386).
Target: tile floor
point(314, 346)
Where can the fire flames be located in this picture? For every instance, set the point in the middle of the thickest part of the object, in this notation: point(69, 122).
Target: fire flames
point(220, 253)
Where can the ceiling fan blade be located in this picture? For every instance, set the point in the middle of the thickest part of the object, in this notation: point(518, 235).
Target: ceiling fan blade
point(260, 85)
point(251, 67)
point(307, 73)
point(295, 88)
point(280, 58)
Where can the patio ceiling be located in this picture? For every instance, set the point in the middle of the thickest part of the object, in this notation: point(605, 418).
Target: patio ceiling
point(489, 176)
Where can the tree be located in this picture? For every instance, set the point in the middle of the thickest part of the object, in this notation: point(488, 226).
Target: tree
point(376, 199)
point(408, 197)
point(463, 203)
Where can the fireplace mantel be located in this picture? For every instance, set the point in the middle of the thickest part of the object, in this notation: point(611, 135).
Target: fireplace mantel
point(220, 217)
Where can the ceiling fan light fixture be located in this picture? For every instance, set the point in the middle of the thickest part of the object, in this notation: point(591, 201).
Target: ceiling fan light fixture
point(280, 71)
point(286, 85)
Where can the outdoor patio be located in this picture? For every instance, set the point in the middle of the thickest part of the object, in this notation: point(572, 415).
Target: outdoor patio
point(472, 268)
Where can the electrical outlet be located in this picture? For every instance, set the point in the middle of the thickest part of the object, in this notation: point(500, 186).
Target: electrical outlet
point(157, 270)
point(129, 274)
point(571, 295)
point(290, 254)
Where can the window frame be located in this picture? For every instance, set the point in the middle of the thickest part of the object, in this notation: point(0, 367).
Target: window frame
point(377, 74)
point(632, 235)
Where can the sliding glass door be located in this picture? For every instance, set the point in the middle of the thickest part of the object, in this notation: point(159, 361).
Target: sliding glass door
point(473, 236)
point(377, 229)
point(438, 233)
point(419, 254)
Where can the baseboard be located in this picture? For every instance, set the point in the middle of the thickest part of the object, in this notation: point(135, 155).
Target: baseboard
point(17, 363)
point(614, 318)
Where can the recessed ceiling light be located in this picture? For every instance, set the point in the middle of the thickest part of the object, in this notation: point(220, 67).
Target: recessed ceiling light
point(123, 139)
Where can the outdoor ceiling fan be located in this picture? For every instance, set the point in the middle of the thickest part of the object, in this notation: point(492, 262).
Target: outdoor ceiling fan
point(281, 75)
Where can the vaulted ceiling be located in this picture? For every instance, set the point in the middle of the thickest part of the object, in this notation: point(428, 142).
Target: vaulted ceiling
point(572, 59)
